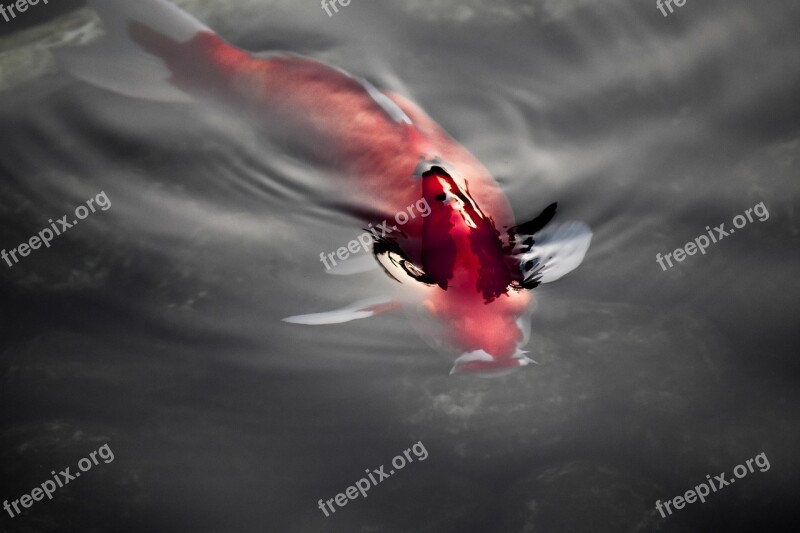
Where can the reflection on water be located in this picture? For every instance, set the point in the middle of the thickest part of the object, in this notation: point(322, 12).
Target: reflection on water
point(156, 327)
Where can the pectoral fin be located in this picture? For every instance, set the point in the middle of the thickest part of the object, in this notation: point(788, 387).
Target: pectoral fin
point(397, 264)
point(553, 252)
point(361, 309)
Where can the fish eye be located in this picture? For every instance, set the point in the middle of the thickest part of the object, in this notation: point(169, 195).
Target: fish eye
point(440, 197)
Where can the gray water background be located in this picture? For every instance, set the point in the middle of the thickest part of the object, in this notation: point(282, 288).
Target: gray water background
point(155, 326)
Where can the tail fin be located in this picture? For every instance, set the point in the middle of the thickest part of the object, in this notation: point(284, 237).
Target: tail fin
point(118, 63)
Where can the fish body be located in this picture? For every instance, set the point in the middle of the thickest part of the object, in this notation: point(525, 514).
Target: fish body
point(376, 138)
point(389, 153)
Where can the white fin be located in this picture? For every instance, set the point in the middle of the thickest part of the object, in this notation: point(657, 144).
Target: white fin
point(558, 249)
point(119, 64)
point(482, 364)
point(388, 106)
point(360, 309)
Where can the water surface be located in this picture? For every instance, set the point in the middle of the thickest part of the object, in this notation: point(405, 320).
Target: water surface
point(155, 326)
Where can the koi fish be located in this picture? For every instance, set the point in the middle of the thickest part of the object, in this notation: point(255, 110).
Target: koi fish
point(466, 270)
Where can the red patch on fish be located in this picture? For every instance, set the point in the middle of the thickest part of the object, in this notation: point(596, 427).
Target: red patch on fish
point(461, 246)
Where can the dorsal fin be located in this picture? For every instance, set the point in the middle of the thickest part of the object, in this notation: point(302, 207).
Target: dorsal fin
point(385, 103)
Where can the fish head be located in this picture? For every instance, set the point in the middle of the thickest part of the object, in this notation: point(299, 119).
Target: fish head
point(461, 248)
point(477, 310)
point(460, 289)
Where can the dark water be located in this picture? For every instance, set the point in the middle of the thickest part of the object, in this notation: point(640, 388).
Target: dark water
point(155, 326)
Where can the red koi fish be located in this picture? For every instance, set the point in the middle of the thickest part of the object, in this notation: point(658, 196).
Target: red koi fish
point(466, 268)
